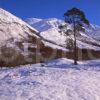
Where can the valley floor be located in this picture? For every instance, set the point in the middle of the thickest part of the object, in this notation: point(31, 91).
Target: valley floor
point(55, 80)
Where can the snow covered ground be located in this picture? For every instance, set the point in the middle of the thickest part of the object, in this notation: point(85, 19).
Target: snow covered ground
point(55, 80)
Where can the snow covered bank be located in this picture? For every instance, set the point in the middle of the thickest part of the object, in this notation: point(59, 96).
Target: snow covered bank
point(33, 82)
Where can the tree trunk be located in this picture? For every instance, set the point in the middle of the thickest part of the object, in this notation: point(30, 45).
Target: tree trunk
point(75, 47)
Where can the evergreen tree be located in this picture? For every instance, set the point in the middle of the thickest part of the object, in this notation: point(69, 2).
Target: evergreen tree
point(77, 19)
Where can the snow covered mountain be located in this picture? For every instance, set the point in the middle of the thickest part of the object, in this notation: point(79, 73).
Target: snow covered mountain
point(21, 43)
point(42, 41)
point(14, 38)
point(49, 79)
point(49, 30)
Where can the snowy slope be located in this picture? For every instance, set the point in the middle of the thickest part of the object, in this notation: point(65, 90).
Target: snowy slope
point(14, 39)
point(94, 31)
point(18, 36)
point(49, 30)
point(33, 82)
point(13, 27)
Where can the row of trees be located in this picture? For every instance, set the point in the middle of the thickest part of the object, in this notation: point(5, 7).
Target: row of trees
point(77, 19)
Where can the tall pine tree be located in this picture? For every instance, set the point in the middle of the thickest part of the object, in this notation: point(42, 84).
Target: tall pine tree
point(77, 19)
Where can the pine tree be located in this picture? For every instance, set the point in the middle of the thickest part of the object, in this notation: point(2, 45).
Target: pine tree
point(77, 19)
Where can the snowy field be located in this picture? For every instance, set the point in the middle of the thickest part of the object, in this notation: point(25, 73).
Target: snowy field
point(57, 80)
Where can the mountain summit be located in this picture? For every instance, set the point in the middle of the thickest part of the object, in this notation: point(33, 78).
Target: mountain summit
point(44, 24)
